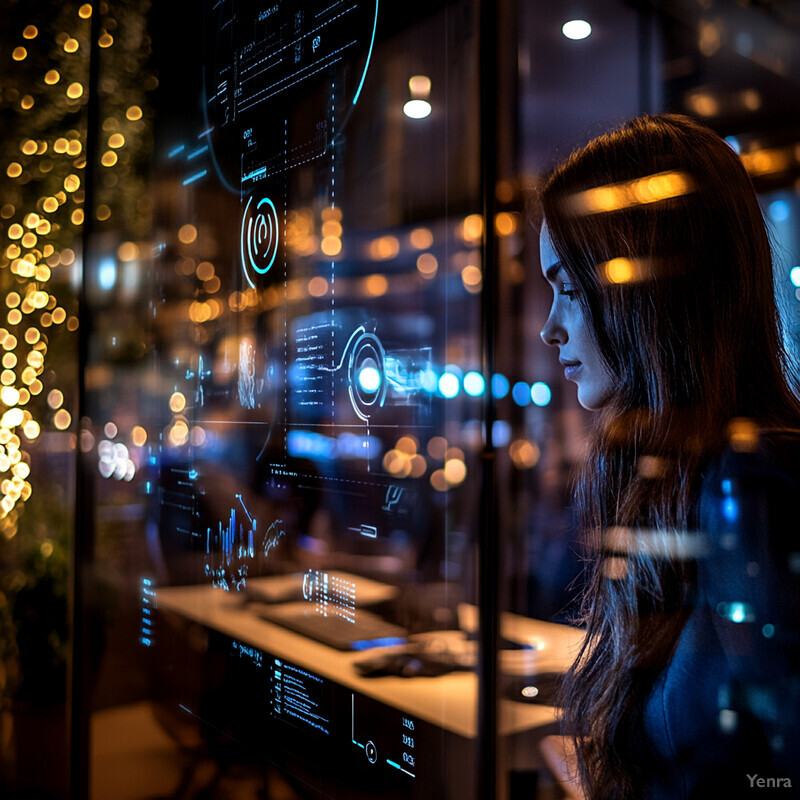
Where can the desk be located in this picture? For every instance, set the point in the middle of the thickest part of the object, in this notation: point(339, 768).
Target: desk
point(448, 701)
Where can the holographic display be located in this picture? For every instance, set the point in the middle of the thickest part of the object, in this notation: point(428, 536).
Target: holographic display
point(390, 745)
point(263, 59)
point(330, 594)
point(362, 358)
point(232, 547)
point(260, 237)
point(300, 697)
point(148, 603)
point(300, 481)
point(247, 374)
point(229, 549)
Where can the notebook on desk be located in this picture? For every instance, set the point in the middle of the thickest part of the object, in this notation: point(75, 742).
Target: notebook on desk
point(364, 631)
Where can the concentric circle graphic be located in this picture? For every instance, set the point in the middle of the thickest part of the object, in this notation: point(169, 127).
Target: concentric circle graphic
point(259, 238)
point(366, 377)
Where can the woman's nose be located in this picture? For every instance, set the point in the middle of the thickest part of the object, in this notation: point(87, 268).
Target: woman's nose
point(552, 333)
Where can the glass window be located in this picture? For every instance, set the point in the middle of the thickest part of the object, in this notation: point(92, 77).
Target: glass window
point(286, 399)
point(295, 495)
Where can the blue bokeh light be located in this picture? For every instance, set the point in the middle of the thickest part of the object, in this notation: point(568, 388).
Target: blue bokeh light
point(500, 385)
point(794, 276)
point(540, 393)
point(736, 611)
point(779, 210)
point(521, 393)
point(107, 273)
point(734, 144)
point(474, 384)
point(448, 385)
point(730, 509)
point(501, 433)
point(309, 444)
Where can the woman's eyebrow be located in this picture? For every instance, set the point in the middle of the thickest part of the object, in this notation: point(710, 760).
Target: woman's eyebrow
point(553, 270)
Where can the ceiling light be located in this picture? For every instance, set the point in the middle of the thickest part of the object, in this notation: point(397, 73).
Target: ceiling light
point(576, 29)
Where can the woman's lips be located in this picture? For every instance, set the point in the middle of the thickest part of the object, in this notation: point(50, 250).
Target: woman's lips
point(570, 370)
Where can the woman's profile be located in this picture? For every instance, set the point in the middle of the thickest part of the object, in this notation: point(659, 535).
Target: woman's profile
point(688, 684)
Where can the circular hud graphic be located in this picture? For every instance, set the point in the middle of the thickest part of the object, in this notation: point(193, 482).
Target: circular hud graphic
point(366, 377)
point(259, 238)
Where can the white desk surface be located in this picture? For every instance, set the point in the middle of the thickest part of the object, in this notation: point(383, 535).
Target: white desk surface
point(448, 701)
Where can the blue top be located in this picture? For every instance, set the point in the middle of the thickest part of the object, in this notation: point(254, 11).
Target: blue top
point(723, 718)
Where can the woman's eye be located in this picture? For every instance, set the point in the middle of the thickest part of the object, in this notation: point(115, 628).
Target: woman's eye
point(568, 291)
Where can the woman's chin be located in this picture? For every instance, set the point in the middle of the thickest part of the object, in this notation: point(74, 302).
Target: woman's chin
point(591, 400)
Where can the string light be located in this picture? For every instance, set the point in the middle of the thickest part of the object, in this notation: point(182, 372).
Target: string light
point(32, 248)
point(45, 159)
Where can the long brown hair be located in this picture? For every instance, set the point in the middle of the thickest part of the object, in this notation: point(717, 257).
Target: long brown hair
point(658, 226)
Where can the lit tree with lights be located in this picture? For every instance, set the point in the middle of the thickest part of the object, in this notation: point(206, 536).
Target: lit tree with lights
point(44, 96)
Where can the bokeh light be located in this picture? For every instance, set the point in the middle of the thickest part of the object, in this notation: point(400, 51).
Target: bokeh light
point(540, 393)
point(474, 384)
point(500, 385)
point(521, 394)
point(448, 385)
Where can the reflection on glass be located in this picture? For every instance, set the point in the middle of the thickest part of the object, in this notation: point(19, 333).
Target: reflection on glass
point(279, 221)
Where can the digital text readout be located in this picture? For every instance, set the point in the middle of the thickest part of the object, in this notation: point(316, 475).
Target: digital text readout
point(300, 697)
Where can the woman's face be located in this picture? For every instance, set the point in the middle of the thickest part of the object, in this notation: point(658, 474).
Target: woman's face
point(567, 329)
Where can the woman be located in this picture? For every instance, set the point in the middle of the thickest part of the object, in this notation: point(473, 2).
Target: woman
point(664, 316)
